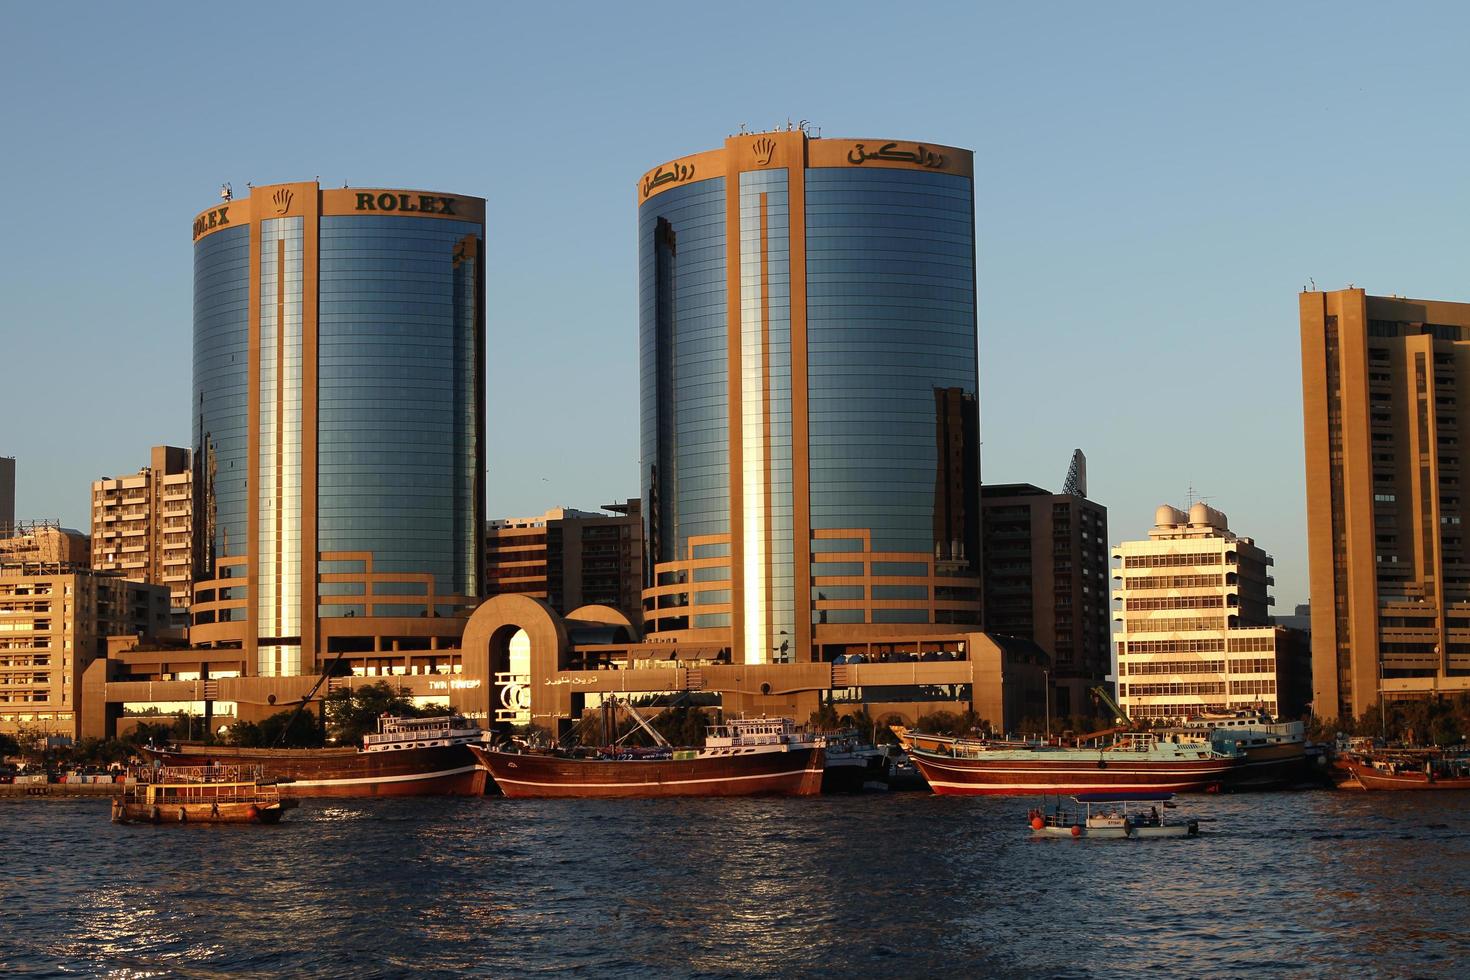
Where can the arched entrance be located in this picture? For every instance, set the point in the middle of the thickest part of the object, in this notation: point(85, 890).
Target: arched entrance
point(515, 645)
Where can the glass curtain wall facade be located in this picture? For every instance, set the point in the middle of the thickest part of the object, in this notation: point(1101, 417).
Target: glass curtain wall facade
point(892, 367)
point(396, 408)
point(810, 422)
point(684, 407)
point(221, 399)
point(338, 417)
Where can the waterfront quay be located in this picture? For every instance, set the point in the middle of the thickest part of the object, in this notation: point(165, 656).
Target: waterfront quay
point(58, 790)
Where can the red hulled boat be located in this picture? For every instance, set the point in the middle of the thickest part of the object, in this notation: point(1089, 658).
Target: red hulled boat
point(404, 757)
point(1418, 774)
point(751, 757)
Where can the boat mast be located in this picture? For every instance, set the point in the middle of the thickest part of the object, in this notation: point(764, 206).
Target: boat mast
point(652, 732)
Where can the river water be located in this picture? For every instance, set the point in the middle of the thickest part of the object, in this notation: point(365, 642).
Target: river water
point(904, 884)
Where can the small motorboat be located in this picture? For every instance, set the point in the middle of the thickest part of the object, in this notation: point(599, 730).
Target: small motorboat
point(199, 794)
point(1112, 815)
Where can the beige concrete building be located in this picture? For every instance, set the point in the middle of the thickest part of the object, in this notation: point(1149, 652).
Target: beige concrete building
point(1046, 580)
point(53, 626)
point(1383, 380)
point(142, 526)
point(519, 662)
point(569, 558)
point(1195, 635)
point(36, 547)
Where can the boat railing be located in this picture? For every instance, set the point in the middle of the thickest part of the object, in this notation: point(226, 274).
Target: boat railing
point(1134, 742)
point(197, 774)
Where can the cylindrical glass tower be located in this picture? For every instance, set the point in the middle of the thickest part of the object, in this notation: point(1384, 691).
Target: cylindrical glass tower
point(338, 420)
point(810, 421)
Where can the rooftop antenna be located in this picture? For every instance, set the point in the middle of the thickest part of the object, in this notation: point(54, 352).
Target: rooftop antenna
point(1195, 495)
point(225, 193)
point(1313, 282)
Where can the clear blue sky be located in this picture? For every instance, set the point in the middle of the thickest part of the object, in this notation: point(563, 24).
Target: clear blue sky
point(1154, 185)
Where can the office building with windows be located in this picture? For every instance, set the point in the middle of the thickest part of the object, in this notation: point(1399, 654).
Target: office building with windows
point(1195, 634)
point(1383, 381)
point(55, 617)
point(338, 413)
point(142, 526)
point(810, 423)
point(569, 558)
point(1046, 580)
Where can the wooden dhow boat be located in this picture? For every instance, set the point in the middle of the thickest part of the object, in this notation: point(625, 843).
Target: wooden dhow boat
point(404, 757)
point(1133, 762)
point(747, 757)
point(199, 794)
point(1409, 771)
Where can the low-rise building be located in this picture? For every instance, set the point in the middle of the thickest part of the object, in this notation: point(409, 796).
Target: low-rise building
point(1195, 633)
point(54, 622)
point(569, 558)
point(142, 526)
point(34, 547)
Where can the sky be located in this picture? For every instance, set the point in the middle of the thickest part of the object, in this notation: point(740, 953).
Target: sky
point(1154, 184)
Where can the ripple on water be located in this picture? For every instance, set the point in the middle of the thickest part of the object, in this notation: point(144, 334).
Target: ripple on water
point(899, 885)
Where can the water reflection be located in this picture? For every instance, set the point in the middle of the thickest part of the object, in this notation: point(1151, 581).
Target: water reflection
point(893, 886)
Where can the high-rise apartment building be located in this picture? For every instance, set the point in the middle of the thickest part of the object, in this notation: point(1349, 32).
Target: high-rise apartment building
point(338, 422)
point(55, 616)
point(1195, 633)
point(1046, 580)
point(1383, 381)
point(7, 494)
point(142, 526)
point(570, 558)
point(810, 425)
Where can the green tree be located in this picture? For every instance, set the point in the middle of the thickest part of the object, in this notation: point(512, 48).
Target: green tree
point(682, 725)
point(8, 746)
point(824, 719)
point(300, 729)
point(354, 712)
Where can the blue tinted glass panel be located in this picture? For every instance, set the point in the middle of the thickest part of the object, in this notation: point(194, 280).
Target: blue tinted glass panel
point(684, 425)
point(398, 420)
point(892, 370)
point(220, 406)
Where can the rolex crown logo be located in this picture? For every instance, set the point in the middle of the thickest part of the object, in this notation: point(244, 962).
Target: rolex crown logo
point(764, 148)
point(282, 200)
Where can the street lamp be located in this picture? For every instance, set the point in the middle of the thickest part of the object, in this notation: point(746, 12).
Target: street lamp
point(1046, 675)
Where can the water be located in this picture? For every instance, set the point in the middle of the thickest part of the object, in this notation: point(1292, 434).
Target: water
point(907, 884)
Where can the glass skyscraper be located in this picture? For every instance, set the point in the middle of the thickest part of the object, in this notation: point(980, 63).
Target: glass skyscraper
point(809, 396)
point(338, 421)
